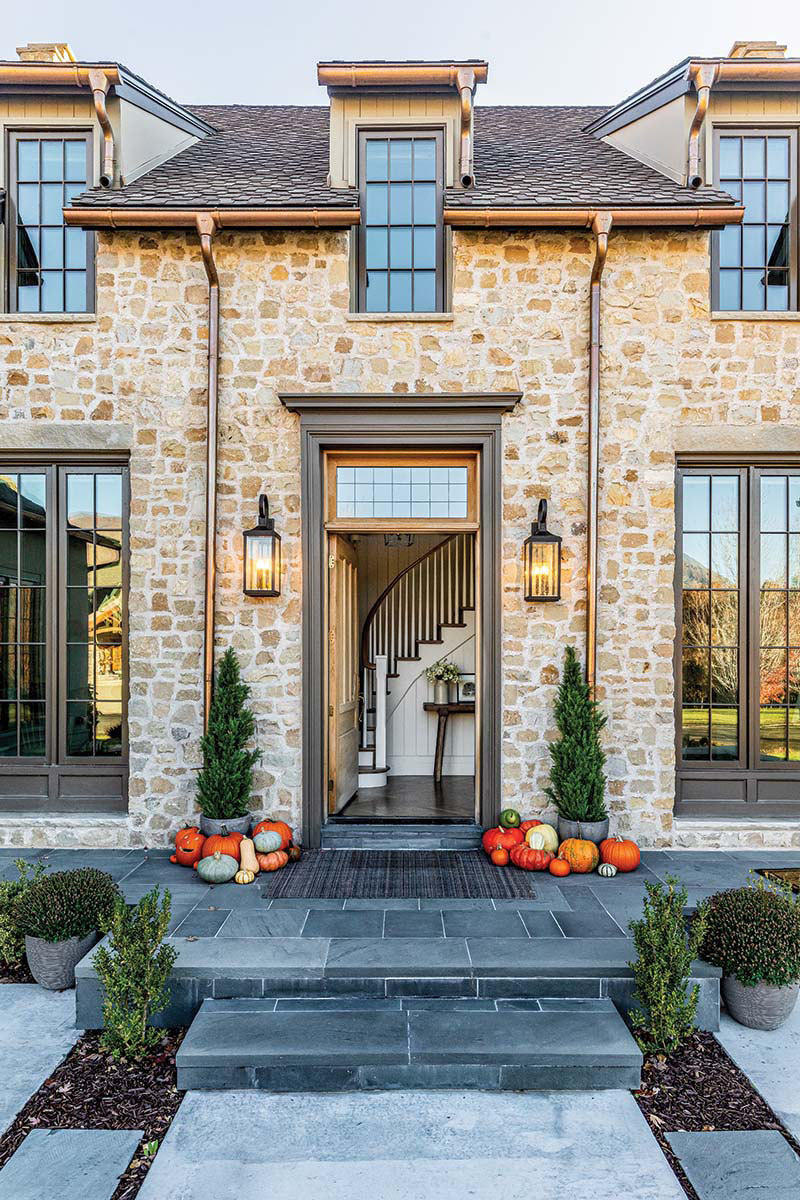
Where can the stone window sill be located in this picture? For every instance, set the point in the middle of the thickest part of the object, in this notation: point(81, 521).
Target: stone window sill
point(383, 318)
point(48, 318)
point(755, 316)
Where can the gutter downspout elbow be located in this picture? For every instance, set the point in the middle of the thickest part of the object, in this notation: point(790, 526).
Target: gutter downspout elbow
point(99, 83)
point(207, 226)
point(601, 227)
point(465, 82)
point(704, 77)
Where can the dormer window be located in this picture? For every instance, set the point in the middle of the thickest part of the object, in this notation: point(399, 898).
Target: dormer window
point(400, 252)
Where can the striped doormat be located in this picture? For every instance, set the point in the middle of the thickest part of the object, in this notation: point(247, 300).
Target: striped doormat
point(397, 874)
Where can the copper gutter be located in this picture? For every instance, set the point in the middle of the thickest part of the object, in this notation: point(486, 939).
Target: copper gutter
point(753, 70)
point(99, 83)
point(67, 74)
point(708, 217)
point(186, 218)
point(392, 75)
point(703, 75)
point(206, 228)
point(601, 227)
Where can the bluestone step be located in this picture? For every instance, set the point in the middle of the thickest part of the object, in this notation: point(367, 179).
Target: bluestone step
point(354, 1043)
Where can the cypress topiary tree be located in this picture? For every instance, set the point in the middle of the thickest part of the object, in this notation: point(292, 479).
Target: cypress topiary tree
point(225, 783)
point(577, 783)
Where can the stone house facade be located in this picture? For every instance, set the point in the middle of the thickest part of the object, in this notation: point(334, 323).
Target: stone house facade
point(122, 389)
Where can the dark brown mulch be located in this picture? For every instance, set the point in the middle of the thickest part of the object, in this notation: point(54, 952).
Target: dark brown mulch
point(699, 1088)
point(786, 875)
point(88, 1090)
point(17, 974)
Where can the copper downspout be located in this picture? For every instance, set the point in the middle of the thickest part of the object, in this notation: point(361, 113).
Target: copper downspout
point(99, 83)
point(206, 228)
point(465, 82)
point(601, 227)
point(703, 76)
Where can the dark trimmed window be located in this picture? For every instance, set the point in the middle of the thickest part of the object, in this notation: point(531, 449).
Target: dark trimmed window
point(63, 627)
point(756, 263)
point(401, 241)
point(738, 646)
point(50, 266)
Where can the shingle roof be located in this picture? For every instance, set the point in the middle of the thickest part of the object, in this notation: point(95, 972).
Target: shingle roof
point(277, 156)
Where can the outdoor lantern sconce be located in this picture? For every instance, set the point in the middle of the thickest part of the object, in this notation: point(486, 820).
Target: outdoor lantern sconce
point(542, 560)
point(262, 555)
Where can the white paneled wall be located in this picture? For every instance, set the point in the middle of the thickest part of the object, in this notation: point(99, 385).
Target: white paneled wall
point(412, 731)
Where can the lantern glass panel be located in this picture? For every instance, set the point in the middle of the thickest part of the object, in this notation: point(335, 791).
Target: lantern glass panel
point(542, 569)
point(263, 563)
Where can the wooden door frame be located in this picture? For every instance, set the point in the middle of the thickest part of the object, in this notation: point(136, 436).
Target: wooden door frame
point(443, 421)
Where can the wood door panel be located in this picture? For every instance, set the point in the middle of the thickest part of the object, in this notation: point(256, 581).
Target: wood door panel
point(344, 673)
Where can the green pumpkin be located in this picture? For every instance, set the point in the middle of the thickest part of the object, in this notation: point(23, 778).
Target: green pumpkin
point(510, 818)
point(268, 841)
point(607, 870)
point(217, 868)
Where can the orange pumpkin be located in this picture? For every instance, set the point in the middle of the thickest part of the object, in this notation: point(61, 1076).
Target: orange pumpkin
point(279, 827)
point(582, 855)
point(272, 861)
point(504, 838)
point(560, 867)
point(526, 825)
point(499, 857)
point(188, 847)
point(528, 859)
point(621, 853)
point(224, 843)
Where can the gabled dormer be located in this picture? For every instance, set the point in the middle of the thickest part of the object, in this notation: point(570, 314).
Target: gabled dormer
point(401, 133)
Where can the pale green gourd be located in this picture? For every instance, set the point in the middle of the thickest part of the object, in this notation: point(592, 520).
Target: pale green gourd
point(607, 870)
point(268, 841)
point(217, 868)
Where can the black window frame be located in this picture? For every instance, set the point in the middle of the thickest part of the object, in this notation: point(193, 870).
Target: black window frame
point(758, 130)
point(58, 781)
point(748, 786)
point(15, 134)
point(401, 133)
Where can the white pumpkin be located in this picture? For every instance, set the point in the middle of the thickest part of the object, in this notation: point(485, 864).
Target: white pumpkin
point(543, 837)
point(607, 870)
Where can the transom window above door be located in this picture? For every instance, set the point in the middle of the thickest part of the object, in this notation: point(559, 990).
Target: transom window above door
point(755, 267)
point(400, 491)
point(400, 252)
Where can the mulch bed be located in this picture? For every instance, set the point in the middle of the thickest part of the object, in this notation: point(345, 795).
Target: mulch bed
point(699, 1089)
point(17, 974)
point(785, 875)
point(88, 1090)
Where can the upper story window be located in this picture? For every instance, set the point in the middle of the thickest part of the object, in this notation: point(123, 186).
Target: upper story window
point(756, 262)
point(401, 250)
point(49, 264)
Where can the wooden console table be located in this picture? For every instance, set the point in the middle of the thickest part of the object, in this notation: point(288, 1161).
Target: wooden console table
point(445, 711)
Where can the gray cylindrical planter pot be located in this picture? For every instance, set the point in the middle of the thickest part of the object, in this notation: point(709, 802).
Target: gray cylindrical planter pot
point(441, 692)
point(762, 1006)
point(590, 831)
point(209, 826)
point(53, 964)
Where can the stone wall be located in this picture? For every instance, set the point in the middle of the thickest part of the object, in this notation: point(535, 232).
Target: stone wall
point(671, 377)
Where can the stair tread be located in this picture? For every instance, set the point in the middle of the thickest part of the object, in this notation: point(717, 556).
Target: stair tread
point(342, 1034)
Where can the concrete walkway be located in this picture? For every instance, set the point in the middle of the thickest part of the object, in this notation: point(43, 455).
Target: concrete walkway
point(771, 1059)
point(410, 1146)
point(37, 1028)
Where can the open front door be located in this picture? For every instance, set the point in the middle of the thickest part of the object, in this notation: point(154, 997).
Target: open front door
point(343, 732)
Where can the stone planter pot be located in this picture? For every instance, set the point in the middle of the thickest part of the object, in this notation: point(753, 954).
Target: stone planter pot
point(763, 1006)
point(590, 831)
point(53, 964)
point(209, 826)
point(441, 692)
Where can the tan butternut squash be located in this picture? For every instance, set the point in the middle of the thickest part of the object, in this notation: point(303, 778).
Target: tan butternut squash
point(247, 856)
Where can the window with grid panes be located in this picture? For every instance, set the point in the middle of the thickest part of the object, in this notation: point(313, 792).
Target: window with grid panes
point(50, 265)
point(401, 235)
point(755, 267)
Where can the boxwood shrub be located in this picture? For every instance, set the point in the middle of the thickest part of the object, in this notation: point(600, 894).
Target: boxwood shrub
point(66, 904)
point(753, 933)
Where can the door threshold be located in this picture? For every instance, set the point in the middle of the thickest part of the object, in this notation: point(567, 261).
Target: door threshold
point(390, 821)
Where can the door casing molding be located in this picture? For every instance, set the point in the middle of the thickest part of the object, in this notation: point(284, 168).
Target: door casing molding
point(433, 421)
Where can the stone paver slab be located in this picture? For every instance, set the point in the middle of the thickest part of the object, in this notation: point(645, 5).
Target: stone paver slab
point(742, 1165)
point(771, 1060)
point(37, 1028)
point(68, 1164)
point(410, 1146)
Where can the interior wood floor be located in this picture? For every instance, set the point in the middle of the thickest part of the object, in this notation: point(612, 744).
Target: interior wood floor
point(414, 798)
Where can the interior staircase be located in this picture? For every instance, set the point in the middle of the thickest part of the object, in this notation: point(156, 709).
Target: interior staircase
point(429, 595)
